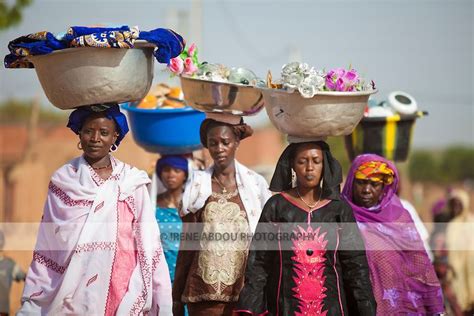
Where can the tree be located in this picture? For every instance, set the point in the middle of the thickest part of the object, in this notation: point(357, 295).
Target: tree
point(15, 111)
point(453, 164)
point(457, 163)
point(11, 15)
point(423, 167)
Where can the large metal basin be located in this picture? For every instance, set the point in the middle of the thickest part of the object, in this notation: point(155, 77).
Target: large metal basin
point(212, 96)
point(328, 113)
point(87, 75)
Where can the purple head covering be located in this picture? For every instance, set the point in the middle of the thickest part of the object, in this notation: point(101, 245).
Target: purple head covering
point(402, 275)
point(439, 206)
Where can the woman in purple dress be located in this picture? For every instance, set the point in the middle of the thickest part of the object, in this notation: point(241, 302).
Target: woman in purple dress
point(402, 275)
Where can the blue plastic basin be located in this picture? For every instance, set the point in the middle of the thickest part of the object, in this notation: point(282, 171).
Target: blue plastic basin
point(165, 131)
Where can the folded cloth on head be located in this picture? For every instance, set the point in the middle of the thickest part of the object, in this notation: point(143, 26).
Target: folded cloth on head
point(169, 43)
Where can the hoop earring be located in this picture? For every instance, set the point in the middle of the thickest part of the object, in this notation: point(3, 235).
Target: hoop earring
point(113, 148)
point(79, 145)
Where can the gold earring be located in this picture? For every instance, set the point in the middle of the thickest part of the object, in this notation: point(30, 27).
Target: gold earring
point(79, 145)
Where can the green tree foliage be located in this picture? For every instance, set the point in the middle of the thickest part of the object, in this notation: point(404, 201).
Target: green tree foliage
point(450, 165)
point(19, 112)
point(11, 15)
point(423, 167)
point(457, 163)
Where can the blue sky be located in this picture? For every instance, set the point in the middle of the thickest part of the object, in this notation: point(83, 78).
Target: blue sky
point(424, 48)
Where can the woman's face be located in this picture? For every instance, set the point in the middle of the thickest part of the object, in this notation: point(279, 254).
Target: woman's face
point(308, 165)
point(172, 178)
point(366, 193)
point(97, 136)
point(222, 144)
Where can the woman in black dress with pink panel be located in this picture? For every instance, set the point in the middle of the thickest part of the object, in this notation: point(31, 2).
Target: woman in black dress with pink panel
point(307, 255)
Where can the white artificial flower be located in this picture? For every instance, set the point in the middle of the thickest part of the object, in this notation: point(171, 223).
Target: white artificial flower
point(307, 90)
point(303, 68)
point(289, 68)
point(293, 80)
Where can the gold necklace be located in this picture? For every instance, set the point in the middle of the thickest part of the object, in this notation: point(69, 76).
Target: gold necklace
point(223, 197)
point(224, 190)
point(307, 204)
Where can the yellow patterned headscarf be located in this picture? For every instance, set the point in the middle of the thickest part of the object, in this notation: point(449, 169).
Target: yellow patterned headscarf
point(376, 171)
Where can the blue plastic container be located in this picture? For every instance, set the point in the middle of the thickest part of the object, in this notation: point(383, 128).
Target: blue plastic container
point(165, 131)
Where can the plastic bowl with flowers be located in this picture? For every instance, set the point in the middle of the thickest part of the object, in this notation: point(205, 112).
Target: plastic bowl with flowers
point(216, 88)
point(308, 103)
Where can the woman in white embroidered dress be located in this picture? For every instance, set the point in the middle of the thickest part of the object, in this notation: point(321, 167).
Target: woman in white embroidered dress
point(225, 199)
point(98, 250)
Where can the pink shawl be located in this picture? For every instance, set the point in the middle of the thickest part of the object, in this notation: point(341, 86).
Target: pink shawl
point(71, 271)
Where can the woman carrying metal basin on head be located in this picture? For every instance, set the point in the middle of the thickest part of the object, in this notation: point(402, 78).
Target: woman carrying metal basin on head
point(321, 267)
point(227, 198)
point(98, 249)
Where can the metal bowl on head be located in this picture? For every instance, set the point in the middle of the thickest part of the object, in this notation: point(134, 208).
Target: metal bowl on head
point(213, 96)
point(328, 113)
point(80, 76)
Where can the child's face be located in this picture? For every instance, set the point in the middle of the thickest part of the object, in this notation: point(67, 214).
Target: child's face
point(173, 178)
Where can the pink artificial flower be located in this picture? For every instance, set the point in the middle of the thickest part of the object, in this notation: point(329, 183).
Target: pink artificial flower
point(332, 78)
point(176, 65)
point(192, 50)
point(341, 80)
point(189, 67)
point(351, 78)
point(340, 85)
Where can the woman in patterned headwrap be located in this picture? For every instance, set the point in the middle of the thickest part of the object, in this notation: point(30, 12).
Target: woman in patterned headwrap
point(402, 276)
point(98, 250)
point(225, 199)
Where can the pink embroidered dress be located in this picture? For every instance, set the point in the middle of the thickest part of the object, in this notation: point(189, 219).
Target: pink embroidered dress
point(98, 250)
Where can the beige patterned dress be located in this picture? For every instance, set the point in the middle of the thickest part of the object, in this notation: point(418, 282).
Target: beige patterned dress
point(216, 271)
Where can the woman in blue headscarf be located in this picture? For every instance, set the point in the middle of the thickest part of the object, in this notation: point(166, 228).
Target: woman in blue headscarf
point(172, 171)
point(98, 250)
